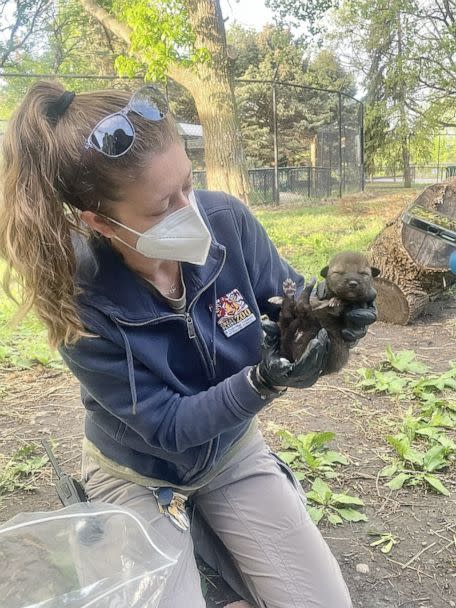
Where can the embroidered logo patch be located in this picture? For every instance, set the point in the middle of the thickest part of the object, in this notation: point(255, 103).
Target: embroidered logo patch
point(233, 313)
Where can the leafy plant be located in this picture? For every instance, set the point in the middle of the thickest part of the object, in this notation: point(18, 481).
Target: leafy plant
point(28, 355)
point(431, 403)
point(437, 383)
point(19, 472)
point(415, 467)
point(376, 381)
point(385, 541)
point(335, 507)
point(405, 361)
point(308, 454)
point(391, 377)
point(436, 435)
point(425, 426)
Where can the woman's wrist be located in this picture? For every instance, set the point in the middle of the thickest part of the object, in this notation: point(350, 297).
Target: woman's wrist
point(265, 390)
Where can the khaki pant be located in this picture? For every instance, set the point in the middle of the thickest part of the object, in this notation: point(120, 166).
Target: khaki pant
point(250, 524)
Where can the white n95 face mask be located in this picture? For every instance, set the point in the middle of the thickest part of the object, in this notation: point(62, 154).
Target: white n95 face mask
point(182, 236)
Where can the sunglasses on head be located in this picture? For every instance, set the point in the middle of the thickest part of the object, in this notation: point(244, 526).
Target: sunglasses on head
point(114, 135)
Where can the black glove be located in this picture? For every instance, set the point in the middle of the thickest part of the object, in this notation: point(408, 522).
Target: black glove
point(274, 372)
point(355, 319)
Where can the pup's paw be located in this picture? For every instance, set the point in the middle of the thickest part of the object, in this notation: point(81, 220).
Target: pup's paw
point(289, 288)
point(334, 302)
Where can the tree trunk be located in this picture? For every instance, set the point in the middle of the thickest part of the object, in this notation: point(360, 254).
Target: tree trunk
point(313, 161)
point(212, 89)
point(211, 86)
point(406, 160)
point(411, 272)
point(403, 120)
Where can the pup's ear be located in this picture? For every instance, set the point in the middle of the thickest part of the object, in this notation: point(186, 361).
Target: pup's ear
point(324, 271)
point(375, 271)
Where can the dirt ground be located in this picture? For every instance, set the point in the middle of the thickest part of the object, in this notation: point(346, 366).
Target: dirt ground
point(420, 572)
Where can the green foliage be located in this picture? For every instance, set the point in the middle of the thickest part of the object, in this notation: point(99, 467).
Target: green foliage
point(385, 541)
point(20, 471)
point(335, 507)
point(160, 36)
point(414, 467)
point(422, 447)
point(67, 41)
point(435, 383)
point(272, 54)
point(308, 454)
point(403, 53)
point(300, 13)
point(376, 381)
point(25, 345)
point(376, 127)
point(405, 361)
point(308, 236)
point(390, 376)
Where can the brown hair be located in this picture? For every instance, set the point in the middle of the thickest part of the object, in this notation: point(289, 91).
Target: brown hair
point(47, 178)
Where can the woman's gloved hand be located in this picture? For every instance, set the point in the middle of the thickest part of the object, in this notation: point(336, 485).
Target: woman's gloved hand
point(355, 319)
point(274, 373)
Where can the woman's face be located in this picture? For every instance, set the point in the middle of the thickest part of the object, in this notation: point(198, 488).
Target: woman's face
point(162, 189)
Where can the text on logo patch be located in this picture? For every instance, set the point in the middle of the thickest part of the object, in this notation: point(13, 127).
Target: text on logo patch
point(233, 313)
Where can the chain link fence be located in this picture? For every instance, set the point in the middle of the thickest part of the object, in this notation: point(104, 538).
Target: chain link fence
point(299, 141)
point(420, 175)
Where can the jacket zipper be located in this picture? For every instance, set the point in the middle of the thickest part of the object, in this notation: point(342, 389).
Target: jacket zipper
point(210, 369)
point(191, 327)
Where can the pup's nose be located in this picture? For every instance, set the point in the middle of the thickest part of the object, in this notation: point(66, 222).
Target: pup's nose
point(353, 284)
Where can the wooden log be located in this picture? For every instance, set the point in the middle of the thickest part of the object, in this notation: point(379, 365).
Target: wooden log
point(396, 305)
point(413, 266)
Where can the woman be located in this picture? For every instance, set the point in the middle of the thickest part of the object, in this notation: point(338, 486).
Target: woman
point(155, 307)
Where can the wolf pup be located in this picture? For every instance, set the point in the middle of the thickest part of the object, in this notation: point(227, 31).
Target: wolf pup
point(349, 282)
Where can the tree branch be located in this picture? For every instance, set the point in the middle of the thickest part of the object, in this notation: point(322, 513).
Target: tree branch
point(181, 75)
point(22, 20)
point(100, 14)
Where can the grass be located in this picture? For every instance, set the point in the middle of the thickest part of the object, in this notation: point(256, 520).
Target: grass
point(308, 236)
point(20, 471)
point(24, 345)
point(304, 235)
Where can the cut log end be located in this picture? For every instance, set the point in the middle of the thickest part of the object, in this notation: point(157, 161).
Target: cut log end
point(396, 306)
point(413, 266)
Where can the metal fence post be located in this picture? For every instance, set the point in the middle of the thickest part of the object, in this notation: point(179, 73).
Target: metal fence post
point(438, 160)
point(363, 183)
point(276, 146)
point(340, 143)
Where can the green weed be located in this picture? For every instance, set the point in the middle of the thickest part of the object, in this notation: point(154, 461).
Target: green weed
point(19, 471)
point(385, 541)
point(376, 381)
point(308, 454)
point(414, 467)
point(25, 345)
point(404, 361)
point(422, 447)
point(335, 507)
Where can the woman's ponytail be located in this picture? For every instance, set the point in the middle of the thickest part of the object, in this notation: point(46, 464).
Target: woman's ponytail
point(47, 180)
point(35, 232)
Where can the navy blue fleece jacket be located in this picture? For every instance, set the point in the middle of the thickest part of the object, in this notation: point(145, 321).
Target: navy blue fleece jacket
point(167, 394)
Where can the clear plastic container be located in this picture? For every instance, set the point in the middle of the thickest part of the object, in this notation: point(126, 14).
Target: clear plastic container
point(87, 555)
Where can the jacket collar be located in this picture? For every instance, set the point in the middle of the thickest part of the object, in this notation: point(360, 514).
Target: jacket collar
point(109, 285)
